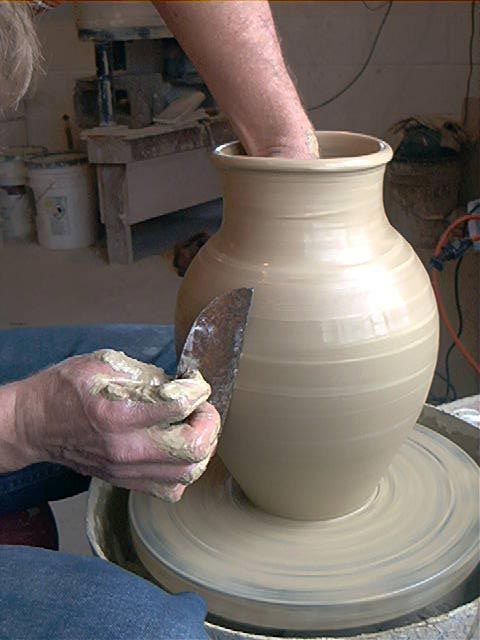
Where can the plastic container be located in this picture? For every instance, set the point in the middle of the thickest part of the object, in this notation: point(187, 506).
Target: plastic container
point(17, 213)
point(65, 200)
point(17, 207)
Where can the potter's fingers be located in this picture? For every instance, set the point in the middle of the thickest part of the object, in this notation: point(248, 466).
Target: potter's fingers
point(166, 444)
point(178, 400)
point(167, 492)
point(119, 463)
point(139, 394)
point(206, 420)
point(163, 414)
point(184, 395)
point(193, 441)
point(129, 368)
point(130, 416)
point(169, 474)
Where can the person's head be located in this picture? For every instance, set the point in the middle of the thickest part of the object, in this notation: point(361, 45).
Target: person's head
point(19, 52)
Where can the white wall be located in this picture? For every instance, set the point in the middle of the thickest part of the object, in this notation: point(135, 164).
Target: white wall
point(66, 59)
point(419, 67)
point(13, 128)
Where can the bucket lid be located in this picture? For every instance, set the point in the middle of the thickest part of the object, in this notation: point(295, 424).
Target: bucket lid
point(20, 152)
point(55, 160)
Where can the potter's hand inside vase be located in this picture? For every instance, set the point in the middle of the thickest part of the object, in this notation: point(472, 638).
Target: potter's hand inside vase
point(115, 418)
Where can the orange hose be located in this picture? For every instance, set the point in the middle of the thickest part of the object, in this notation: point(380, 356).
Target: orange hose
point(436, 287)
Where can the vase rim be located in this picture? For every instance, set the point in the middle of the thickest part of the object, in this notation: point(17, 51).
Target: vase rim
point(345, 151)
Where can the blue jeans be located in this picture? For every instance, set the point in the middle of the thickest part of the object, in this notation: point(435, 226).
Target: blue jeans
point(45, 594)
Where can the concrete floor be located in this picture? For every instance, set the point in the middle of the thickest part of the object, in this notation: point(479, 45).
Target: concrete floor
point(41, 287)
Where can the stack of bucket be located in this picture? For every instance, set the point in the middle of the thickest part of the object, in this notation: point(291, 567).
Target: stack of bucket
point(54, 190)
point(17, 208)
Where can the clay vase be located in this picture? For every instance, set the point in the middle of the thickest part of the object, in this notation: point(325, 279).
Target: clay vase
point(342, 340)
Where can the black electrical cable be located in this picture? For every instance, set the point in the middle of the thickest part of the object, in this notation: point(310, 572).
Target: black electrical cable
point(377, 8)
point(364, 65)
point(470, 58)
point(458, 307)
point(450, 387)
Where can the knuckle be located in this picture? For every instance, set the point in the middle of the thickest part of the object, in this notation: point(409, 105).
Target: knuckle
point(99, 411)
point(107, 414)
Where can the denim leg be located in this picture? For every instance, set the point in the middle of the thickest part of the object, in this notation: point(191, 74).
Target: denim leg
point(47, 595)
point(26, 351)
point(23, 352)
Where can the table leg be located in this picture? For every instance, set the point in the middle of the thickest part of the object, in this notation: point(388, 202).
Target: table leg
point(112, 187)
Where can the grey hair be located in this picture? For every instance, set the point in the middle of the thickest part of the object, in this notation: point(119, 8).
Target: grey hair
point(19, 52)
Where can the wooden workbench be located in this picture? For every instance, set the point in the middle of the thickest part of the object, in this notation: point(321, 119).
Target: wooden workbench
point(145, 173)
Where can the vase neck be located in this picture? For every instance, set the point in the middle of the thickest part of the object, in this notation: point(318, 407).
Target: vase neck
point(268, 216)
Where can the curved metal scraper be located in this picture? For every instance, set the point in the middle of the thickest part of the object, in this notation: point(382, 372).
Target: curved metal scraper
point(214, 345)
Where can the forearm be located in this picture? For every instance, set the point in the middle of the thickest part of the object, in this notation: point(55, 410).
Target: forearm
point(24, 484)
point(235, 48)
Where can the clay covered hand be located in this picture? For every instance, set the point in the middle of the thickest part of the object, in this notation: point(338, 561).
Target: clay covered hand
point(118, 419)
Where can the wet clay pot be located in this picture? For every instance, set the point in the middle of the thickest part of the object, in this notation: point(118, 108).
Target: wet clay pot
point(343, 335)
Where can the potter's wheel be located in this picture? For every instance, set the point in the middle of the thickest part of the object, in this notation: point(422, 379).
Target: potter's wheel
point(412, 543)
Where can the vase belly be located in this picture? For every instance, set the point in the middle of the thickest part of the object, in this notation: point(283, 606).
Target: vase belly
point(338, 357)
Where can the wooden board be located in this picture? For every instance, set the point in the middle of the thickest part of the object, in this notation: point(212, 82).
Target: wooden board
point(169, 183)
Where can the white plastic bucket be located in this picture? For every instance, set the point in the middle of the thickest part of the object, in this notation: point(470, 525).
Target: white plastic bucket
point(65, 200)
point(17, 208)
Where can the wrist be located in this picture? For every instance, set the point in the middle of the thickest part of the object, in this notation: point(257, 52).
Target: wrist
point(299, 143)
point(16, 451)
point(282, 135)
